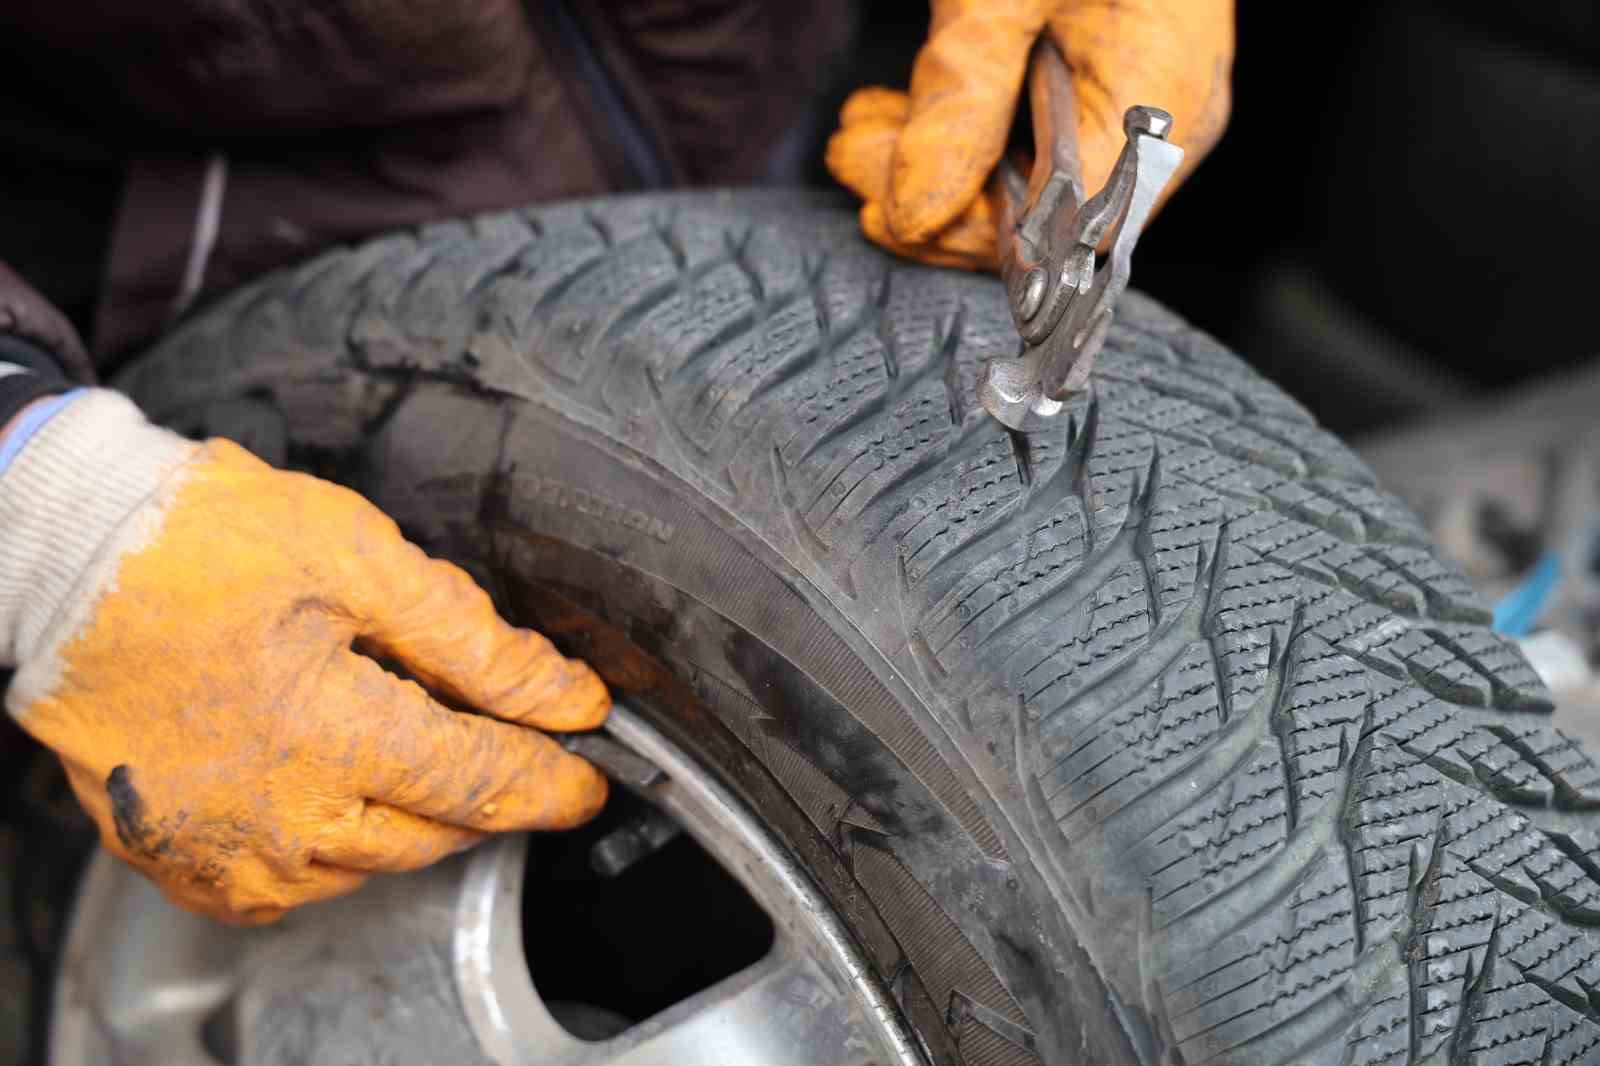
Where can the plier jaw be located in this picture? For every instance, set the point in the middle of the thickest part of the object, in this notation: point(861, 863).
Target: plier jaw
point(1060, 298)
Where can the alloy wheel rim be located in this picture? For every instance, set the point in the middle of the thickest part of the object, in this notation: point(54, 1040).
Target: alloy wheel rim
point(431, 964)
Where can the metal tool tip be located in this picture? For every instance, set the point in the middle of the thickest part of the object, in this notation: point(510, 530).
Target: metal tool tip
point(1147, 120)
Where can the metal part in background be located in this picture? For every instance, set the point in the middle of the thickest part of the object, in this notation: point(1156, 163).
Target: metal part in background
point(1061, 302)
point(1506, 490)
point(639, 838)
point(429, 967)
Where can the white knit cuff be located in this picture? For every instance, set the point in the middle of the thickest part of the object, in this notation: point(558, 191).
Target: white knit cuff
point(74, 482)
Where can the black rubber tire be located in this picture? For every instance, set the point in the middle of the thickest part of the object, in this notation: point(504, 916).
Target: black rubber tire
point(1160, 737)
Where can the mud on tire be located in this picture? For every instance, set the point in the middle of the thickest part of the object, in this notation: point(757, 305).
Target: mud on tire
point(1160, 737)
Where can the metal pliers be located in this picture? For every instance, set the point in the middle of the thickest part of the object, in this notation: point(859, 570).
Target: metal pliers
point(1048, 234)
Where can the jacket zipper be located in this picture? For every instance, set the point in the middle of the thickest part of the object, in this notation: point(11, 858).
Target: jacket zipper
point(640, 152)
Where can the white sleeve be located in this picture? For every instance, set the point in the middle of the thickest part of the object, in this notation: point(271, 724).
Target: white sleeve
point(72, 484)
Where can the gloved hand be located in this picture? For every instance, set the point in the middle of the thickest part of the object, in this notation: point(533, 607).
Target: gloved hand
point(188, 624)
point(922, 161)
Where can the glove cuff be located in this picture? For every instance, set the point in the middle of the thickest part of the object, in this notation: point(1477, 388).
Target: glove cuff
point(75, 481)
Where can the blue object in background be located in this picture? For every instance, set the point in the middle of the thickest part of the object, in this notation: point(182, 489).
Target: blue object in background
point(30, 421)
point(1518, 609)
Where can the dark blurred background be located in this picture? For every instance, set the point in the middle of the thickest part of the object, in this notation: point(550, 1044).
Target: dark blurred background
point(1404, 212)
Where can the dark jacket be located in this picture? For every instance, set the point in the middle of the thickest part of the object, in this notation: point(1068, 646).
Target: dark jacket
point(177, 149)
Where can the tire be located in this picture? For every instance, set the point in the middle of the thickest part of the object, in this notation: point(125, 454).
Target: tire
point(1163, 736)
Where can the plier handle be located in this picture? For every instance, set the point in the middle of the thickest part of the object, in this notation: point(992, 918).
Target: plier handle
point(1061, 301)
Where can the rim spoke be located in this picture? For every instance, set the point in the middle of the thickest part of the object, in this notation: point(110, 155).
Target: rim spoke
point(782, 1012)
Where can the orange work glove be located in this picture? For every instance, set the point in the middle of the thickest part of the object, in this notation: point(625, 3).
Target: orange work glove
point(188, 624)
point(922, 161)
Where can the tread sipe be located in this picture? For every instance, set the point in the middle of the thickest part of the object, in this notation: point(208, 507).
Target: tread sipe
point(1162, 736)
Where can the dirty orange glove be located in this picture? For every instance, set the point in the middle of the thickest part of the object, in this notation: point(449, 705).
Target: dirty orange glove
point(922, 161)
point(188, 625)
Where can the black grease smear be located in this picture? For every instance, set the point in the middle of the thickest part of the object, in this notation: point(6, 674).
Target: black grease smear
point(128, 814)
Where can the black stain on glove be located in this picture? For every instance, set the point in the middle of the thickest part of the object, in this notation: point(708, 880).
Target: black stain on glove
point(128, 815)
